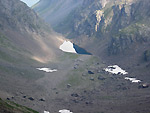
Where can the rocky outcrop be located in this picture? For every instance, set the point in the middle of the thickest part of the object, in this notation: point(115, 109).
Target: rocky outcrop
point(99, 15)
point(129, 27)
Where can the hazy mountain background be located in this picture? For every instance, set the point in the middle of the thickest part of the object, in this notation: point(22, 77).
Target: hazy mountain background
point(55, 11)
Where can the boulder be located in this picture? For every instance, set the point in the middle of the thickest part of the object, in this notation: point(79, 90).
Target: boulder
point(98, 71)
point(101, 78)
point(88, 102)
point(92, 78)
point(42, 99)
point(31, 98)
point(54, 88)
point(75, 67)
point(74, 95)
point(145, 85)
point(8, 98)
point(12, 97)
point(83, 74)
point(90, 72)
point(75, 101)
point(147, 55)
point(68, 85)
point(24, 96)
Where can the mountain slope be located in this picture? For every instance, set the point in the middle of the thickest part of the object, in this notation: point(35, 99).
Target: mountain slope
point(24, 29)
point(10, 107)
point(115, 30)
point(78, 82)
point(26, 43)
point(112, 27)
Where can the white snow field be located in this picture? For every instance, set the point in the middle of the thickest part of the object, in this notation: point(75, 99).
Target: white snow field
point(133, 80)
point(67, 46)
point(46, 112)
point(65, 111)
point(48, 70)
point(115, 69)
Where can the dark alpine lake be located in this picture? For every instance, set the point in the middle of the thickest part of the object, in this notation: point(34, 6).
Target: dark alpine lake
point(80, 50)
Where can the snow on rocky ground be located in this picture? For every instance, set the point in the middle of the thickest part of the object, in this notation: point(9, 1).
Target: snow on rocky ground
point(61, 111)
point(65, 111)
point(48, 70)
point(133, 80)
point(67, 46)
point(115, 69)
point(46, 112)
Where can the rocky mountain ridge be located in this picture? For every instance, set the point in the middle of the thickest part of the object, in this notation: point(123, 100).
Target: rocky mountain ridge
point(119, 22)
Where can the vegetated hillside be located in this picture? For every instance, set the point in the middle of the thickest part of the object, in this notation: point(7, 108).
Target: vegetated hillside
point(54, 11)
point(21, 28)
point(11, 107)
point(25, 43)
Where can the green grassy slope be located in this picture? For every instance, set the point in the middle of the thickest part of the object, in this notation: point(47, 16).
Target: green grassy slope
point(11, 107)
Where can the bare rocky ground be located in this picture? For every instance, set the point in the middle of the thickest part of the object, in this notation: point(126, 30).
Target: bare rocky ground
point(80, 85)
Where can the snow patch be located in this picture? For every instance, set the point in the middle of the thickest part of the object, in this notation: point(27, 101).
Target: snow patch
point(115, 69)
point(46, 112)
point(65, 111)
point(48, 70)
point(133, 80)
point(67, 46)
